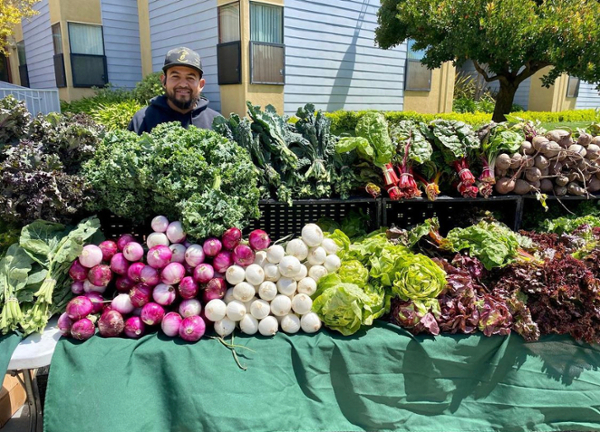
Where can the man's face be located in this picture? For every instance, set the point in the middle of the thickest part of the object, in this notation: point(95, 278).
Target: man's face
point(183, 86)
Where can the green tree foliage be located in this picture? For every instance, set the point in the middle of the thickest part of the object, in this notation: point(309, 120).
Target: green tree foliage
point(507, 40)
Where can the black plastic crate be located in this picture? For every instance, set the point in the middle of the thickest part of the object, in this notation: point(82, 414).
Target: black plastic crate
point(534, 213)
point(113, 227)
point(279, 219)
point(451, 212)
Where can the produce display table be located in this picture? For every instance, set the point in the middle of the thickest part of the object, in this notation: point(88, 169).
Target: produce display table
point(33, 352)
point(381, 379)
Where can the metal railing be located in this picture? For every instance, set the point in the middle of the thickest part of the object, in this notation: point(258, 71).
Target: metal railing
point(37, 100)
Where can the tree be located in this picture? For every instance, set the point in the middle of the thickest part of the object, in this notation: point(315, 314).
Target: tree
point(507, 40)
point(11, 13)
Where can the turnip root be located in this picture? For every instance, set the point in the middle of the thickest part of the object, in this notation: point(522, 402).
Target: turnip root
point(528, 161)
point(584, 138)
point(560, 190)
point(546, 185)
point(593, 152)
point(533, 174)
point(527, 148)
point(562, 137)
point(555, 168)
point(538, 141)
point(593, 185)
point(561, 180)
point(575, 176)
point(522, 187)
point(541, 162)
point(575, 188)
point(577, 150)
point(505, 185)
point(545, 172)
point(503, 161)
point(515, 160)
point(552, 150)
point(596, 140)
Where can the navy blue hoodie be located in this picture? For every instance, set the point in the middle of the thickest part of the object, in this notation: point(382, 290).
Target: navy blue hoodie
point(159, 111)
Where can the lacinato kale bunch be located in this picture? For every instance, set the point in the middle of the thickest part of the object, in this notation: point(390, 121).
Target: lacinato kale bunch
point(193, 175)
point(34, 185)
point(293, 160)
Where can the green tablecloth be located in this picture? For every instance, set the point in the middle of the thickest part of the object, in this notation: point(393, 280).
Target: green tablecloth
point(8, 343)
point(379, 380)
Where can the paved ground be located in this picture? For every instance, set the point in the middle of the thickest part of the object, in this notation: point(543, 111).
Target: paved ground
point(19, 421)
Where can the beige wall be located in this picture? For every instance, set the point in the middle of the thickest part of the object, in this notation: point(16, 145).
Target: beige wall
point(550, 99)
point(436, 100)
point(234, 96)
point(78, 11)
point(145, 44)
point(13, 57)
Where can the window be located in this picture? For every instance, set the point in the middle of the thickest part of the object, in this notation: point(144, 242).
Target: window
point(267, 51)
point(23, 73)
point(229, 49)
point(573, 87)
point(59, 60)
point(417, 77)
point(4, 69)
point(88, 62)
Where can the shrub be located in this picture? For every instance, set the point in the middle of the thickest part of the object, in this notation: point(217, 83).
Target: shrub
point(104, 96)
point(345, 121)
point(116, 115)
point(148, 88)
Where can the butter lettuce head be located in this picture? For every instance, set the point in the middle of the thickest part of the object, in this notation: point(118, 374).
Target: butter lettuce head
point(418, 279)
point(345, 307)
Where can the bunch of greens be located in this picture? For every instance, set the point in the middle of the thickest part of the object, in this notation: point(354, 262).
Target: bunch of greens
point(492, 242)
point(345, 301)
point(193, 175)
point(34, 273)
point(34, 185)
point(498, 138)
point(14, 121)
point(393, 269)
point(456, 141)
point(293, 160)
point(561, 295)
point(72, 137)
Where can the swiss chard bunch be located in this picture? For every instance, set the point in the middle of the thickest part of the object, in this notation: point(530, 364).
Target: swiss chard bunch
point(457, 140)
point(34, 185)
point(411, 147)
point(373, 144)
point(14, 121)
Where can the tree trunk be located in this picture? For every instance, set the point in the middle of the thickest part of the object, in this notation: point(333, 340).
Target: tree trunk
point(504, 100)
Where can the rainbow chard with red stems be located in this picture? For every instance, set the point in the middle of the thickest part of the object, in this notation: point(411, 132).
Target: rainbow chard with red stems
point(456, 140)
point(412, 147)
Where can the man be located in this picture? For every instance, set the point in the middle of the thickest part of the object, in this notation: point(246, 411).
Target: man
point(183, 82)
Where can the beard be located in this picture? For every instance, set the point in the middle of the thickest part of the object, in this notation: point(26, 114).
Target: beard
point(183, 103)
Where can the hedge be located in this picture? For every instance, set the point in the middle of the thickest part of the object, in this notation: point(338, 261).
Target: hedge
point(345, 121)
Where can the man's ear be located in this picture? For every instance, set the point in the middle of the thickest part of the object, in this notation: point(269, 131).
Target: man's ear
point(163, 80)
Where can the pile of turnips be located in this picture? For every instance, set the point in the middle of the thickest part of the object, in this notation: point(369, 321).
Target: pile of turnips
point(275, 290)
point(163, 284)
point(125, 288)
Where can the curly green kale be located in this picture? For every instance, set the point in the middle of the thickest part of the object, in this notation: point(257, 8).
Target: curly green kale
point(193, 175)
